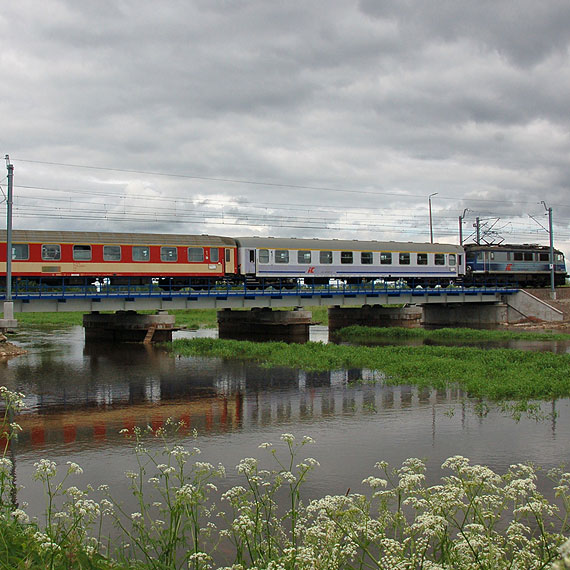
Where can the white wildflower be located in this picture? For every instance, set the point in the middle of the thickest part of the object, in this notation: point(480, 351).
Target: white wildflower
point(74, 468)
point(288, 438)
point(45, 469)
point(20, 516)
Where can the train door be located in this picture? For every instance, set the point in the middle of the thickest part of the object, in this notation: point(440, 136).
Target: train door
point(230, 261)
point(249, 261)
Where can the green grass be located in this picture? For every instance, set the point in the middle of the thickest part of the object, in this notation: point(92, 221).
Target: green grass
point(48, 319)
point(496, 375)
point(360, 334)
point(191, 318)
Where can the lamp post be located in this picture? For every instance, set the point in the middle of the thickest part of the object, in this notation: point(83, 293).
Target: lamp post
point(461, 218)
point(430, 218)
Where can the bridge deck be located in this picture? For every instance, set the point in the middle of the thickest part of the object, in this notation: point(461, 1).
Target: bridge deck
point(112, 298)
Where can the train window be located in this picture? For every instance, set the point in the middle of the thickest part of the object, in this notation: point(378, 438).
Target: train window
point(385, 258)
point(439, 259)
point(263, 256)
point(51, 251)
point(111, 253)
point(544, 257)
point(518, 256)
point(20, 251)
point(559, 257)
point(168, 253)
point(304, 256)
point(404, 259)
point(196, 254)
point(81, 253)
point(422, 259)
point(228, 255)
point(326, 257)
point(346, 257)
point(528, 256)
point(366, 257)
point(451, 259)
point(281, 256)
point(214, 255)
point(491, 255)
point(141, 253)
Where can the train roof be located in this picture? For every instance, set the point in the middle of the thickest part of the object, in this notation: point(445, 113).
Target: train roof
point(508, 247)
point(40, 236)
point(340, 244)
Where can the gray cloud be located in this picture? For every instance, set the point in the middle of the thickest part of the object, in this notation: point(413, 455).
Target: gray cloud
point(387, 101)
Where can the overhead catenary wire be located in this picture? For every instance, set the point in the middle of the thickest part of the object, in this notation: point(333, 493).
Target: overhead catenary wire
point(266, 183)
point(124, 207)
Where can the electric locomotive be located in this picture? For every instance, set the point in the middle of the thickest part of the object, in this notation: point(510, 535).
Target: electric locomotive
point(504, 264)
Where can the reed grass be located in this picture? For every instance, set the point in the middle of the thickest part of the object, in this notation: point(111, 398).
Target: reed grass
point(362, 334)
point(497, 374)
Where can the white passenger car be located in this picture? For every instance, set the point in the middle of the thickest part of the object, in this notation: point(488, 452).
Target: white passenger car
point(317, 261)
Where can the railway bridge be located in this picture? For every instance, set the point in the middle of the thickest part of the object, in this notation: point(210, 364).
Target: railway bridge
point(243, 309)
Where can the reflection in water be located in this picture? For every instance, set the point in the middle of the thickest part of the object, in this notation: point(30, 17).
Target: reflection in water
point(78, 398)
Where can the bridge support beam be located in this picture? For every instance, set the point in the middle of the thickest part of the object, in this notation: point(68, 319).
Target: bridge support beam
point(373, 316)
point(129, 326)
point(467, 315)
point(265, 324)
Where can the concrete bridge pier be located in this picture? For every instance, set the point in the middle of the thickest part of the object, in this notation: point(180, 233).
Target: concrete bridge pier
point(480, 315)
point(265, 324)
point(129, 326)
point(373, 316)
point(8, 321)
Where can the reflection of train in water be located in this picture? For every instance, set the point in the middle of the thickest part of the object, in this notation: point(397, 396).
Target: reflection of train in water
point(198, 261)
point(240, 400)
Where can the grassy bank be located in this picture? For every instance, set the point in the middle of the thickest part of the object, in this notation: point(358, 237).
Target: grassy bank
point(360, 334)
point(190, 318)
point(496, 375)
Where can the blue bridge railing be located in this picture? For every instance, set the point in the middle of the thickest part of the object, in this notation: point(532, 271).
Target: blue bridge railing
point(23, 289)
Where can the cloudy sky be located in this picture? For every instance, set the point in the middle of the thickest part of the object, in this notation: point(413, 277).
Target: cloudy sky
point(325, 118)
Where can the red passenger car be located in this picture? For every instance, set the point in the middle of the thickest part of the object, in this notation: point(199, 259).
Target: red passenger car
point(117, 257)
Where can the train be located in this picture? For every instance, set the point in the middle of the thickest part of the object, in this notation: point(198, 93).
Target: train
point(177, 261)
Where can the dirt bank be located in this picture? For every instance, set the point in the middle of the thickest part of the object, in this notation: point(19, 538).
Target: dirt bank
point(7, 349)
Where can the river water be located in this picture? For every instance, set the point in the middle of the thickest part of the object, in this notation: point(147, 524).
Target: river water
point(78, 398)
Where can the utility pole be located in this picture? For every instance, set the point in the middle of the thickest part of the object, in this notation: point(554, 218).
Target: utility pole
point(8, 320)
point(552, 280)
point(10, 168)
point(478, 229)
